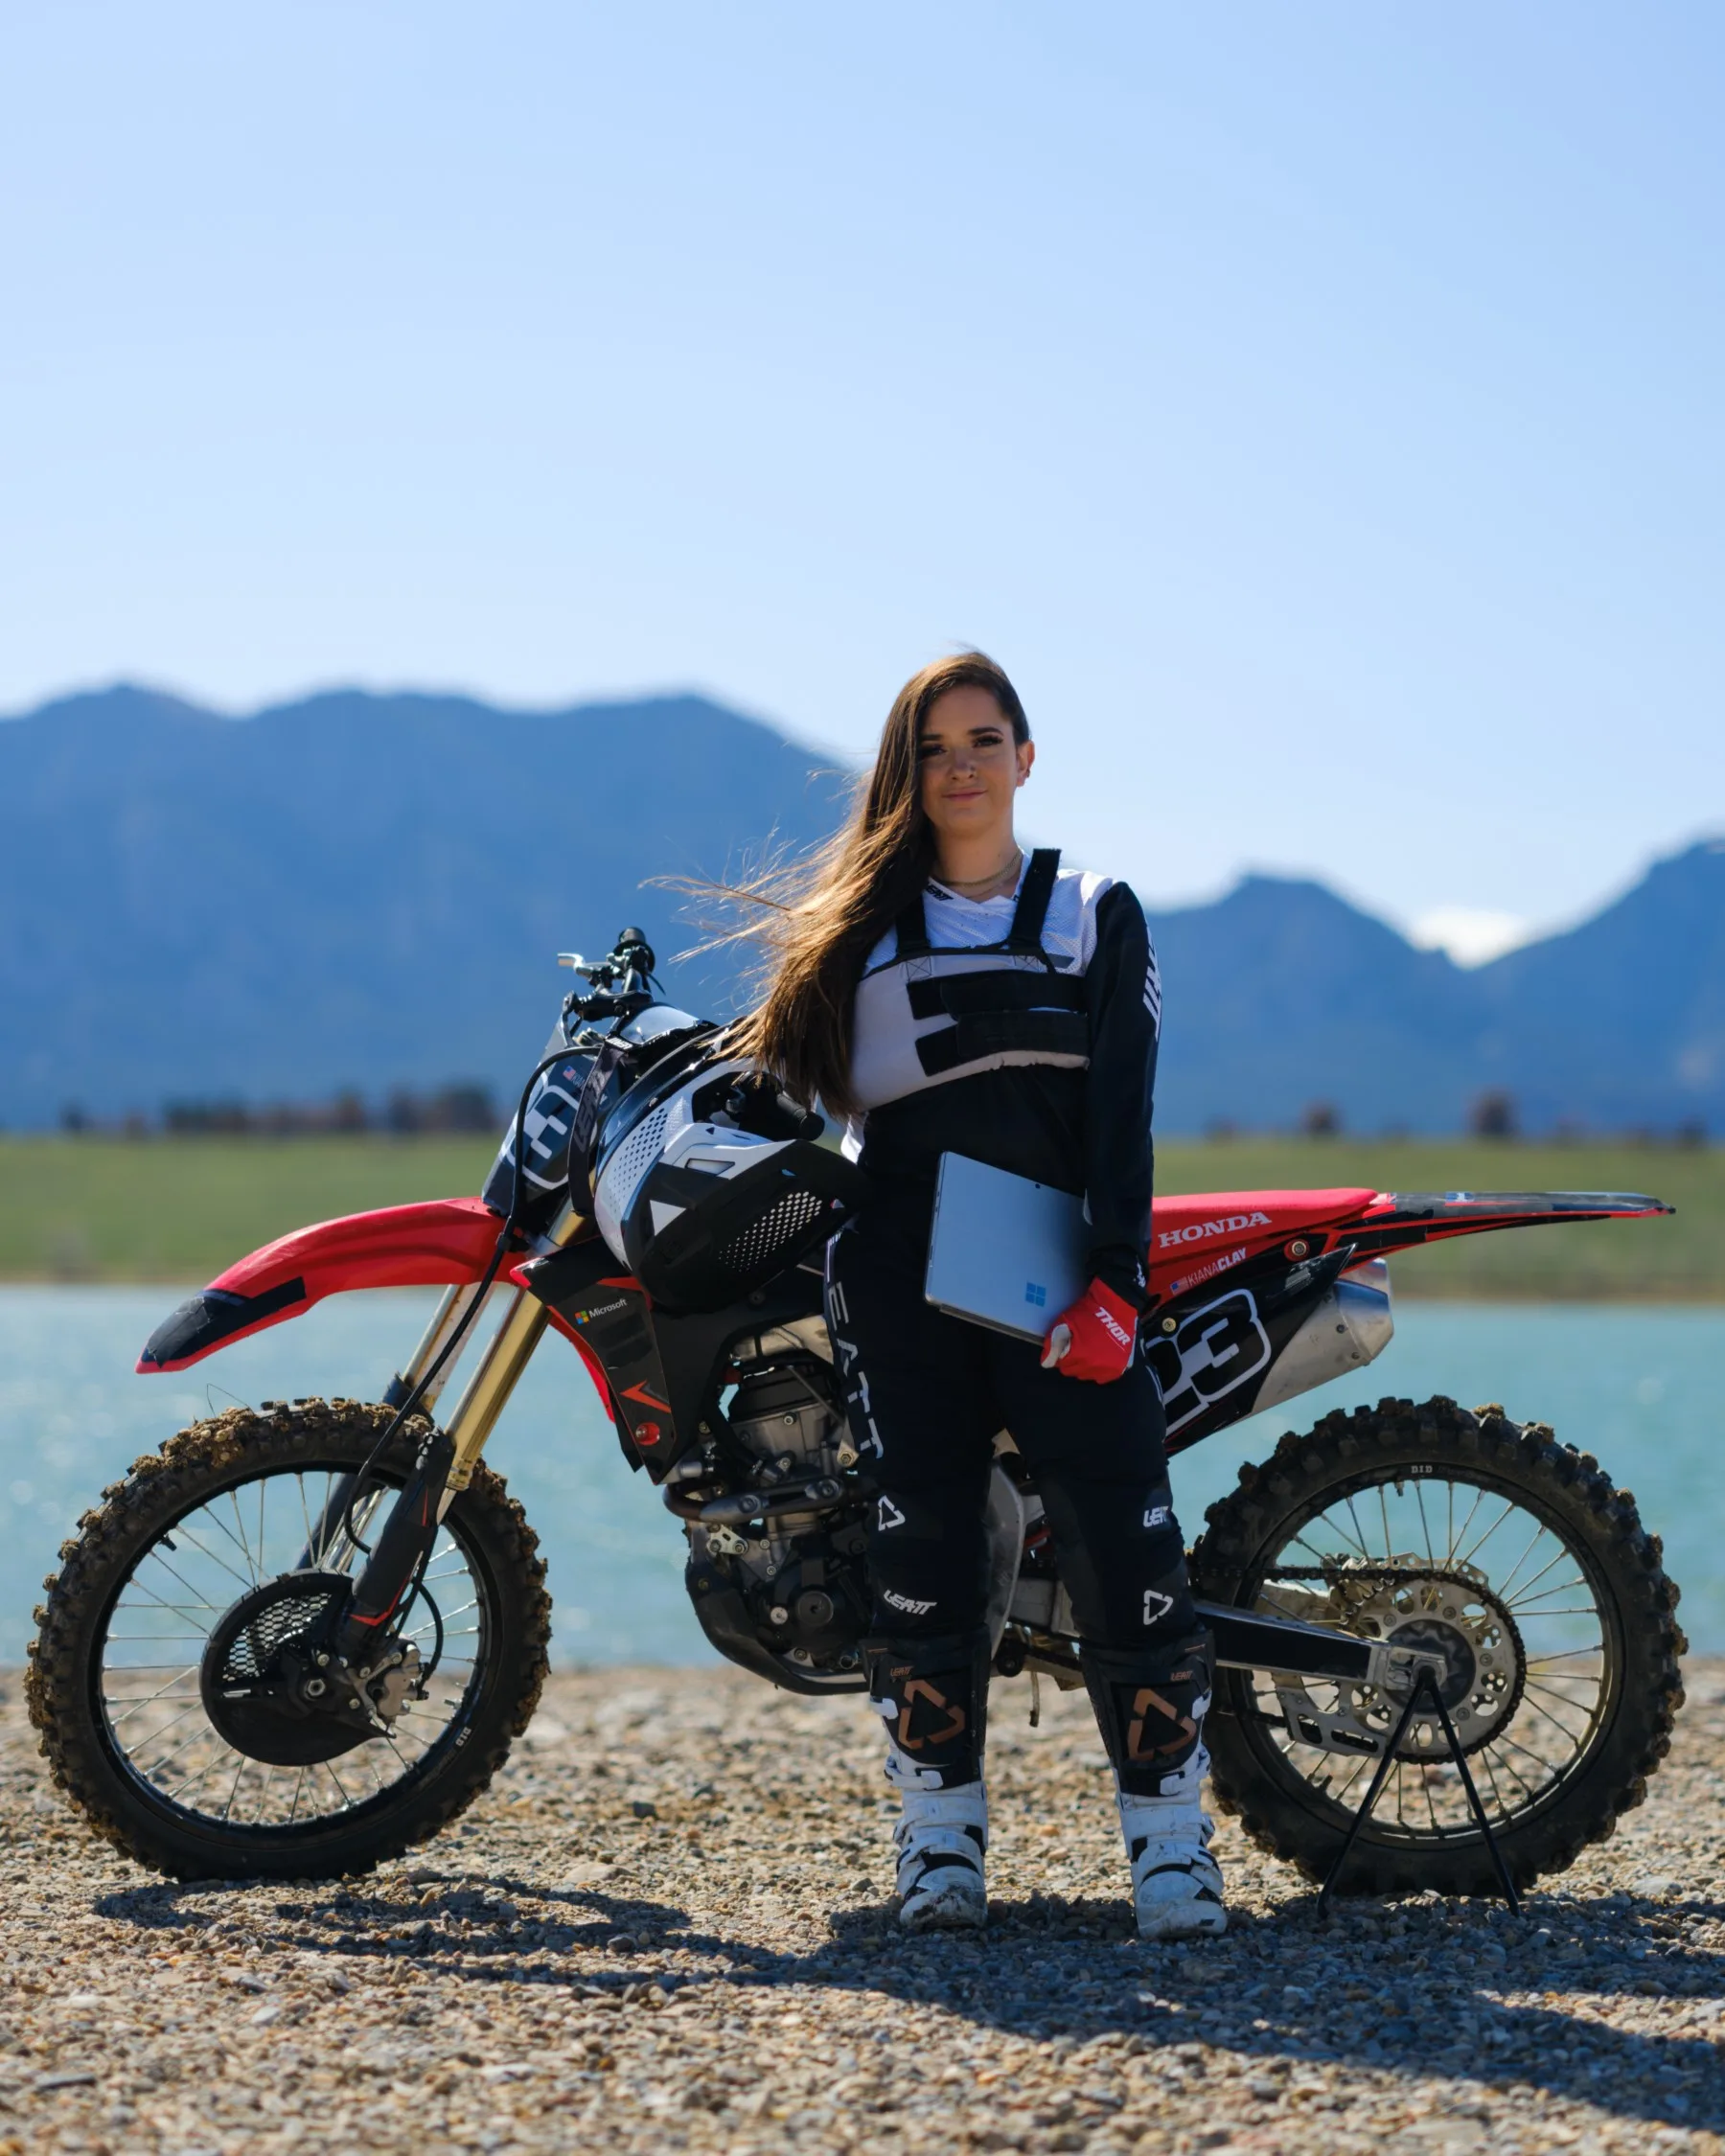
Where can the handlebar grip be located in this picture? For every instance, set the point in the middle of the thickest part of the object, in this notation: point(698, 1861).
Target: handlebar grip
point(634, 942)
point(809, 1125)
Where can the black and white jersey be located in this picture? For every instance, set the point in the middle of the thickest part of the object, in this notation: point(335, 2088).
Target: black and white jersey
point(1019, 1030)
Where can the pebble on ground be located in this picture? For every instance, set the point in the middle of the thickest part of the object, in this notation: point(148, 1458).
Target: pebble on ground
point(668, 1925)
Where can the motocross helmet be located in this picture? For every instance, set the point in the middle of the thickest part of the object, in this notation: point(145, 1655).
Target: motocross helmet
point(707, 1186)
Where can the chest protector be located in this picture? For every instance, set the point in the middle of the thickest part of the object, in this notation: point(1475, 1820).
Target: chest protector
point(925, 1016)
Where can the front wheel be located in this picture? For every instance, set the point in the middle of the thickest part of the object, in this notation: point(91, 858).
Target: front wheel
point(178, 1554)
point(1478, 1540)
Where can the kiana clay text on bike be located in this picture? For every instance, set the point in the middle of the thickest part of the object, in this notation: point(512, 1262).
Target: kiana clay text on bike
point(297, 1639)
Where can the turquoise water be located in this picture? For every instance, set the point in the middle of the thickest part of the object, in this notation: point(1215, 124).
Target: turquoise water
point(1640, 1388)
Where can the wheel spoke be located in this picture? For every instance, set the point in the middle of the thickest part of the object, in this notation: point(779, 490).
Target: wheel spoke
point(1360, 1542)
point(1424, 1524)
point(215, 1557)
point(1516, 1602)
point(1489, 1767)
point(180, 1669)
point(1502, 1586)
point(251, 1562)
point(222, 1527)
point(1531, 1606)
point(1451, 1560)
point(155, 1602)
point(1356, 1769)
point(156, 1555)
point(1545, 1713)
point(1468, 1555)
point(309, 1545)
point(1318, 1556)
point(193, 1706)
point(191, 1781)
point(161, 1729)
point(239, 1778)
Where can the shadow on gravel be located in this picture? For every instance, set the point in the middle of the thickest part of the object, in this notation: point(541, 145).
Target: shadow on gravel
point(1381, 1985)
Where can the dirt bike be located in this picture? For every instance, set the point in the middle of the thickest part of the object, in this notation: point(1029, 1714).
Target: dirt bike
point(299, 1640)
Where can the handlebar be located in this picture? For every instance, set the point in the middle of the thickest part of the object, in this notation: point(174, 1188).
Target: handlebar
point(627, 964)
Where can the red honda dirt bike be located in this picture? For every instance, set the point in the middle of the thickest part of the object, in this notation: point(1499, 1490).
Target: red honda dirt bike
point(298, 1639)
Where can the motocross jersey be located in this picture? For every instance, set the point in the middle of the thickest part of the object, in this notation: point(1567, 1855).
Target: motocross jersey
point(1021, 1031)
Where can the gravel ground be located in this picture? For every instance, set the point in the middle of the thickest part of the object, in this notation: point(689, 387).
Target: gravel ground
point(668, 1927)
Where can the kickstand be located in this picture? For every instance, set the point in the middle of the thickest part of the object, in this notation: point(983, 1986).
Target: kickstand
point(1426, 1688)
point(1035, 1700)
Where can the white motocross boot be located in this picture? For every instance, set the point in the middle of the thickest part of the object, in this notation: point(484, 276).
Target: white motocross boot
point(933, 1695)
point(1176, 1883)
point(941, 1839)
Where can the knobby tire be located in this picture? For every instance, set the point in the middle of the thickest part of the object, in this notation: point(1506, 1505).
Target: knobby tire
point(1289, 1818)
point(202, 1460)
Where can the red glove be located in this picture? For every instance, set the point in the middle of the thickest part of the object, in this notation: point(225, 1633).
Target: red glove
point(1094, 1339)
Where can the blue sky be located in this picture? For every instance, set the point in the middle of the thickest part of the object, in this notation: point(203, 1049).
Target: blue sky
point(1317, 410)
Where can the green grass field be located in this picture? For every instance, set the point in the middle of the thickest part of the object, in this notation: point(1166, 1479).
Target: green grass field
point(182, 1210)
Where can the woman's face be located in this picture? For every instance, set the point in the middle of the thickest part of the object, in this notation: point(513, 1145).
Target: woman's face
point(970, 765)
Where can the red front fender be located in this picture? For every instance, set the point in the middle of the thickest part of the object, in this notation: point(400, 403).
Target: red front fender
point(441, 1243)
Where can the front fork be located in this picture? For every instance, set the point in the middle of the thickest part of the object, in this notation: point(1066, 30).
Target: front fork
point(447, 1459)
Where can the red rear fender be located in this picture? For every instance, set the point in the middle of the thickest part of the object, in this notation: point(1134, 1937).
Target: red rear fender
point(1193, 1238)
point(438, 1243)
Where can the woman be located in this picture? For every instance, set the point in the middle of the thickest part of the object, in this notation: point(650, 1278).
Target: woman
point(948, 996)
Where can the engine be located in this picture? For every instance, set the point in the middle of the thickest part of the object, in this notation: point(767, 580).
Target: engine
point(785, 1414)
point(775, 1566)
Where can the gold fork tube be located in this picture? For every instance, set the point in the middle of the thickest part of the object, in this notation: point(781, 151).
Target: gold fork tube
point(487, 1390)
point(500, 1366)
point(446, 1316)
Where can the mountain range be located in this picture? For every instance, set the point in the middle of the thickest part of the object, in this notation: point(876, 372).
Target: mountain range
point(1281, 996)
point(369, 892)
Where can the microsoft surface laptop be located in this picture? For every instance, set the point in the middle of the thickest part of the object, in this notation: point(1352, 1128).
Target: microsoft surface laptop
point(1004, 1251)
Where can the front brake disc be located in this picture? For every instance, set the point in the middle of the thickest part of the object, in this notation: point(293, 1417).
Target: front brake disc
point(262, 1687)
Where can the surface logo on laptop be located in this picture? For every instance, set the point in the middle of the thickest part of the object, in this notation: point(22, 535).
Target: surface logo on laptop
point(1035, 1294)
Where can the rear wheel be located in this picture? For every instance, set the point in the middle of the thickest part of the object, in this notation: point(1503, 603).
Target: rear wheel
point(235, 1536)
point(1484, 1542)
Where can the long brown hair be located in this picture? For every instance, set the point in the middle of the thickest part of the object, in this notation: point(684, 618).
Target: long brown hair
point(827, 916)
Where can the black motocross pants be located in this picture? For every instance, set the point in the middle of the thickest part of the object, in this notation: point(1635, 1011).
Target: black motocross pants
point(925, 1395)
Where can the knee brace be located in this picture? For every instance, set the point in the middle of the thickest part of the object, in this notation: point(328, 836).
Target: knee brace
point(1150, 1708)
point(933, 1695)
